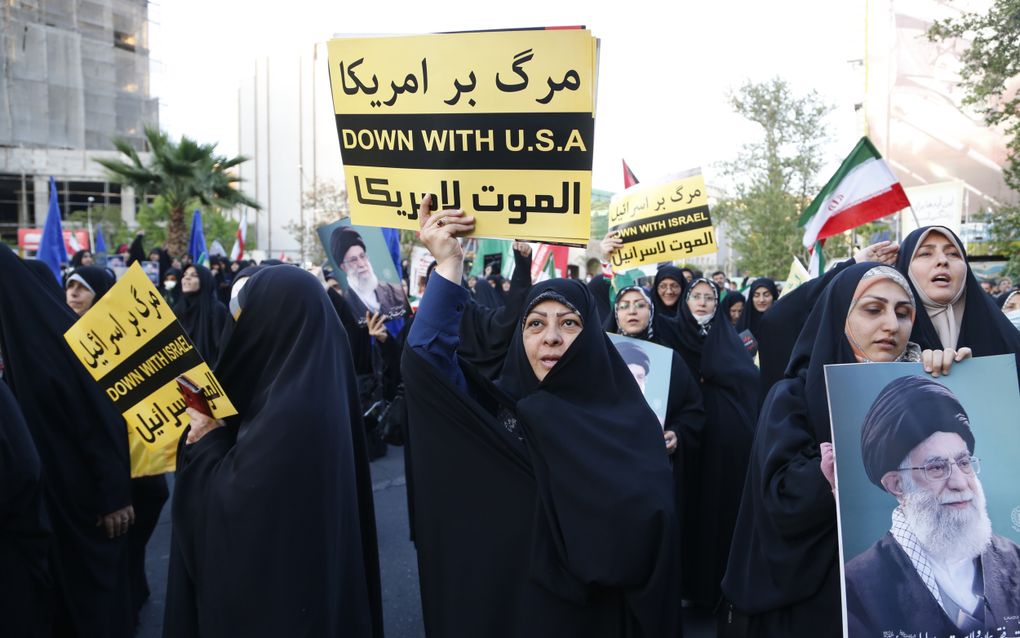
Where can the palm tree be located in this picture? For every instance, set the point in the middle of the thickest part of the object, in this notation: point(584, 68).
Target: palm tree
point(182, 173)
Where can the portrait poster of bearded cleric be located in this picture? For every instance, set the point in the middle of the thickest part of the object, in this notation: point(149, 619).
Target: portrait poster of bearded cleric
point(928, 498)
point(366, 271)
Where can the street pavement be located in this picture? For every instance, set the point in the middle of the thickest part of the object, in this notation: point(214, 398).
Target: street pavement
point(398, 565)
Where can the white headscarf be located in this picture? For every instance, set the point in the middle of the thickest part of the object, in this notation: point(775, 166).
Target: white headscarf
point(945, 317)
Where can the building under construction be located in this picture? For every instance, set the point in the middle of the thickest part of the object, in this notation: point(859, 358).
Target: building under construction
point(73, 75)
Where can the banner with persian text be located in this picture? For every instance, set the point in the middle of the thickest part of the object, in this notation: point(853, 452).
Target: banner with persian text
point(662, 222)
point(133, 346)
point(500, 124)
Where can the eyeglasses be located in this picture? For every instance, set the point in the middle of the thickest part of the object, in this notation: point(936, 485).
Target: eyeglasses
point(353, 260)
point(706, 298)
point(669, 287)
point(942, 469)
point(638, 305)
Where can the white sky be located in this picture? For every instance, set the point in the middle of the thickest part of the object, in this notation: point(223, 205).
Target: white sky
point(666, 67)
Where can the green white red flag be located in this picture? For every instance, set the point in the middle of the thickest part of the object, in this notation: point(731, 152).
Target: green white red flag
point(862, 190)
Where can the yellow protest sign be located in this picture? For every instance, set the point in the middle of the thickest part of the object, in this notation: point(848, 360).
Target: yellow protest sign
point(133, 346)
point(662, 222)
point(798, 275)
point(500, 124)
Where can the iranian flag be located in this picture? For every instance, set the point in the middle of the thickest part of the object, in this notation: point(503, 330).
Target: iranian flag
point(237, 252)
point(862, 190)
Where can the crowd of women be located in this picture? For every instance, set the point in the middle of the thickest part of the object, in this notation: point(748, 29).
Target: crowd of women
point(545, 496)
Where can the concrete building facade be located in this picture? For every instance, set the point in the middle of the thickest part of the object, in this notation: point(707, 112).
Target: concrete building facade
point(74, 74)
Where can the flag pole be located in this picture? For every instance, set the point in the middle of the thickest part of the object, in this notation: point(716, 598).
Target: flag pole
point(88, 216)
point(916, 220)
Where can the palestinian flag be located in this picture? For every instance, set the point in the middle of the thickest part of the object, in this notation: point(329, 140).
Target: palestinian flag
point(862, 190)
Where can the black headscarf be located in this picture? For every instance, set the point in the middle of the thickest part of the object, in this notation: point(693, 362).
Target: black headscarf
point(96, 278)
point(904, 414)
point(202, 315)
point(487, 296)
point(1001, 300)
point(601, 289)
point(785, 548)
point(750, 319)
point(174, 294)
point(82, 443)
point(583, 516)
point(984, 328)
point(668, 272)
point(273, 511)
point(732, 297)
point(486, 331)
point(781, 326)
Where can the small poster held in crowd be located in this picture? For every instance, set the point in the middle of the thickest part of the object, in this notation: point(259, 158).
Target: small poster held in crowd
point(506, 136)
point(133, 346)
point(421, 259)
point(662, 222)
point(151, 269)
point(362, 264)
point(117, 264)
point(652, 366)
point(927, 498)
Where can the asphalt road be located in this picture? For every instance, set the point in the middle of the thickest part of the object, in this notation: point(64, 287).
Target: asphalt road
point(399, 569)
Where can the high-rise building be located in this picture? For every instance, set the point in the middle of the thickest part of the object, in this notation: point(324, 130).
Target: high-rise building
point(74, 74)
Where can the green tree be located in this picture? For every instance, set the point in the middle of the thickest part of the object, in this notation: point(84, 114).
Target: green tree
point(991, 63)
point(153, 220)
point(181, 173)
point(774, 177)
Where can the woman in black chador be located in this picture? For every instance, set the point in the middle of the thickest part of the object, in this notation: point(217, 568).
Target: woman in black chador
point(200, 311)
point(783, 572)
point(82, 443)
point(953, 311)
point(273, 525)
point(543, 507)
point(715, 356)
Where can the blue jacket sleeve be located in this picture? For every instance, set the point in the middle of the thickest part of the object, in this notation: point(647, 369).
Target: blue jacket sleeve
point(434, 335)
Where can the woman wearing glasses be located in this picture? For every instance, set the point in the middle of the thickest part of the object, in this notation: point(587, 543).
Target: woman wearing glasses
point(783, 576)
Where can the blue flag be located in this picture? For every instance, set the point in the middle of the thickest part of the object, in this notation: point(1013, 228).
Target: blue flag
point(100, 242)
point(196, 246)
point(392, 238)
point(52, 251)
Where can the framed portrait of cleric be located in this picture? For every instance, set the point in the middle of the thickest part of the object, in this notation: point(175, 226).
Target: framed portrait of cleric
point(651, 365)
point(362, 264)
point(928, 498)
